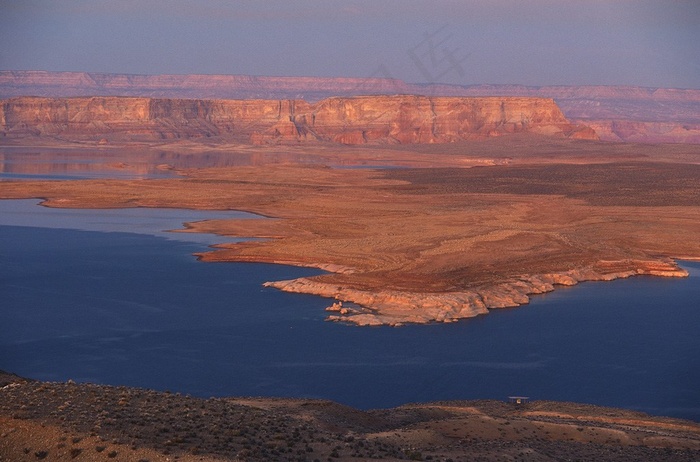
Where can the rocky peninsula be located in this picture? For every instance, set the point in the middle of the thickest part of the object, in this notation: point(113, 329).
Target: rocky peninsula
point(435, 244)
point(397, 307)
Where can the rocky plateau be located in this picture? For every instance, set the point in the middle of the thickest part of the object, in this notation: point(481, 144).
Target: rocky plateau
point(617, 113)
point(403, 119)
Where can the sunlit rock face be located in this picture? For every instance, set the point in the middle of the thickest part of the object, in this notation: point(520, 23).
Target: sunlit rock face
point(420, 119)
point(404, 119)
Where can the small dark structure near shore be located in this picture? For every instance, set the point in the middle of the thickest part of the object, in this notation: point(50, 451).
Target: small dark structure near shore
point(518, 399)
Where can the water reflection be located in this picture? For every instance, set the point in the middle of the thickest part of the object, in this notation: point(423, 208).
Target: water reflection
point(60, 164)
point(19, 163)
point(47, 163)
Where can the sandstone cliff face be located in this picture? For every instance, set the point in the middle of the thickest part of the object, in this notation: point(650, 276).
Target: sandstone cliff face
point(140, 118)
point(420, 119)
point(356, 120)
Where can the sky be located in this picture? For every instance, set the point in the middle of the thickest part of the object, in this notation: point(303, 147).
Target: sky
point(653, 43)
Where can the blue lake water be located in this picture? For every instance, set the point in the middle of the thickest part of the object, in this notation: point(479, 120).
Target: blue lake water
point(136, 308)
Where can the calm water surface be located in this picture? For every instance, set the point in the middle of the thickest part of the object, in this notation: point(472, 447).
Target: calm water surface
point(43, 163)
point(47, 163)
point(135, 308)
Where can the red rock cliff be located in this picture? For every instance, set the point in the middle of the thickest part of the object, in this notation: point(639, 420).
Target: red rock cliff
point(352, 120)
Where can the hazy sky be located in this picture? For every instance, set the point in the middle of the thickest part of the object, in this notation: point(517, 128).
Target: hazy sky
point(536, 42)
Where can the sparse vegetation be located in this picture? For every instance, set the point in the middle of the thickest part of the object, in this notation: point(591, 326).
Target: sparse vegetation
point(193, 429)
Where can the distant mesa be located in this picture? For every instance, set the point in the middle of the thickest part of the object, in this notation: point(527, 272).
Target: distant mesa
point(401, 119)
point(616, 113)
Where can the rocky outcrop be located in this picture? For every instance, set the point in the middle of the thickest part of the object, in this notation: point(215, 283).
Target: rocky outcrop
point(389, 307)
point(356, 120)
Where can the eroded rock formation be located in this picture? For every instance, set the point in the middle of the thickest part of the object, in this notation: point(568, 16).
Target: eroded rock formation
point(356, 120)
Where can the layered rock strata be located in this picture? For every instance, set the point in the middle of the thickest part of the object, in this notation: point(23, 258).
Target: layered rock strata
point(356, 120)
point(391, 307)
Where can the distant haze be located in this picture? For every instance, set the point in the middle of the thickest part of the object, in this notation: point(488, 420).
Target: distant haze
point(538, 42)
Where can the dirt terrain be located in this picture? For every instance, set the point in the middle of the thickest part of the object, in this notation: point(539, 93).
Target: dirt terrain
point(86, 422)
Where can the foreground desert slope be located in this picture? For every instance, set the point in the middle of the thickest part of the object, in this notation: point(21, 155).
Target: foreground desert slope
point(617, 113)
point(439, 244)
point(404, 119)
point(86, 422)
